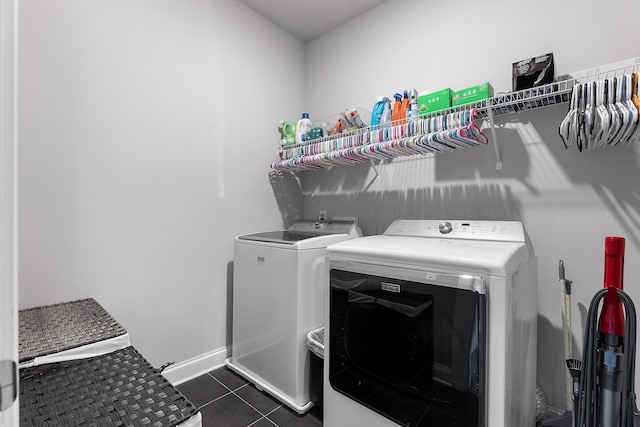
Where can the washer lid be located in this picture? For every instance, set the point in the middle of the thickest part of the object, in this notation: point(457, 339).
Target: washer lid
point(283, 237)
point(406, 244)
point(303, 230)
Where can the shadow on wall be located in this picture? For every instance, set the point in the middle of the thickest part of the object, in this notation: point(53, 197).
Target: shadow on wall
point(613, 172)
point(288, 194)
point(467, 164)
point(444, 186)
point(534, 163)
point(376, 210)
point(472, 164)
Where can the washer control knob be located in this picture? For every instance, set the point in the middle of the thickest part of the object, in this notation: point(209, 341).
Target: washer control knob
point(445, 228)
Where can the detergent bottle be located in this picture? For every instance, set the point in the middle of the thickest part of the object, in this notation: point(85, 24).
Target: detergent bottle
point(287, 132)
point(304, 126)
point(385, 118)
point(376, 113)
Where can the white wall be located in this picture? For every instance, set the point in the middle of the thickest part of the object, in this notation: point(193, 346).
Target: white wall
point(568, 201)
point(146, 131)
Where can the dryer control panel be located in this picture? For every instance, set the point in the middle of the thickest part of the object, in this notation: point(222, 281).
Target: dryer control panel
point(504, 231)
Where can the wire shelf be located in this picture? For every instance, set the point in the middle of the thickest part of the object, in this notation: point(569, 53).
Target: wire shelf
point(294, 157)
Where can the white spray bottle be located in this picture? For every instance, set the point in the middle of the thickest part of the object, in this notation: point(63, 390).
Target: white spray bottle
point(413, 103)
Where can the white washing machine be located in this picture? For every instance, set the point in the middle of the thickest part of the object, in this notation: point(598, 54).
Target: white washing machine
point(432, 324)
point(278, 298)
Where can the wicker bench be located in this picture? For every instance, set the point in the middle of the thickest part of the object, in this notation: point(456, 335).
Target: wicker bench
point(77, 367)
point(67, 331)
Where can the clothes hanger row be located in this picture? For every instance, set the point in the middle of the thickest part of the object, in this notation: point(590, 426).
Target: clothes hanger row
point(436, 135)
point(603, 113)
point(383, 133)
point(411, 127)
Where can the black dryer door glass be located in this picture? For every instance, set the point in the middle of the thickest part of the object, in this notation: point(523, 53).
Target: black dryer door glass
point(410, 351)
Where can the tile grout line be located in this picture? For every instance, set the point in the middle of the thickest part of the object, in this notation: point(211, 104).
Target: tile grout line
point(215, 400)
point(219, 397)
point(243, 400)
point(274, 410)
point(225, 386)
point(250, 405)
point(262, 418)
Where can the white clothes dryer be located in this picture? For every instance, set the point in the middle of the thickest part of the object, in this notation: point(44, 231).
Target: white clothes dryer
point(432, 324)
point(278, 298)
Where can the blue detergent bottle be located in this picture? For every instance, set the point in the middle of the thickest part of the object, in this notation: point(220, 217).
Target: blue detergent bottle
point(376, 112)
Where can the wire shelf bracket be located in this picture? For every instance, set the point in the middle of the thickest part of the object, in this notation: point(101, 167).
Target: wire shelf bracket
point(496, 147)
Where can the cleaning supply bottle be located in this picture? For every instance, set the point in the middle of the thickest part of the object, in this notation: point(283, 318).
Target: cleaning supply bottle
point(337, 128)
point(344, 121)
point(347, 114)
point(396, 108)
point(404, 108)
point(413, 103)
point(385, 118)
point(304, 125)
point(287, 132)
point(326, 129)
point(355, 118)
point(376, 112)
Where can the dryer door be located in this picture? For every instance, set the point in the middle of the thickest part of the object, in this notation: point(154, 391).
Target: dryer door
point(410, 350)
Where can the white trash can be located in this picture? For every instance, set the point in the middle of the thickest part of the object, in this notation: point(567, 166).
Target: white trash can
point(315, 342)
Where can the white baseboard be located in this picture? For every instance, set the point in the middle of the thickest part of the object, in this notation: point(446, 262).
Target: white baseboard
point(184, 371)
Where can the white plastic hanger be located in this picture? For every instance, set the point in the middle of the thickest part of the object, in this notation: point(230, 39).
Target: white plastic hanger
point(604, 113)
point(589, 116)
point(598, 119)
point(623, 112)
point(577, 117)
point(613, 112)
point(565, 126)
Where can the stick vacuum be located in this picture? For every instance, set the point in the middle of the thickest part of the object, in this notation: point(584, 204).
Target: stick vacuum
point(606, 397)
point(611, 356)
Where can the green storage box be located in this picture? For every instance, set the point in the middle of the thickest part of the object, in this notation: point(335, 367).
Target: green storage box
point(435, 101)
point(472, 94)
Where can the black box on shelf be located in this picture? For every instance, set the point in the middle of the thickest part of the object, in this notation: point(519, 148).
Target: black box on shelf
point(533, 72)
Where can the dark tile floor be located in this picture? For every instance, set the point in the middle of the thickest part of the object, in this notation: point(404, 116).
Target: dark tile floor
point(226, 399)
